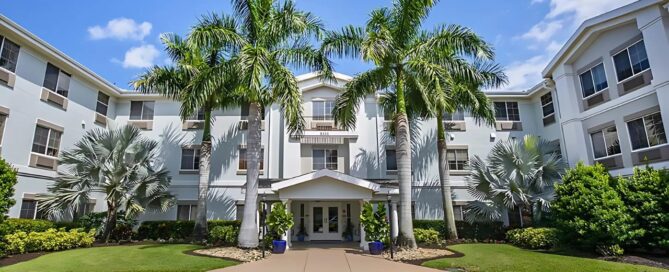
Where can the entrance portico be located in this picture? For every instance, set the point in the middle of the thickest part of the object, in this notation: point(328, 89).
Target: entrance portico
point(325, 202)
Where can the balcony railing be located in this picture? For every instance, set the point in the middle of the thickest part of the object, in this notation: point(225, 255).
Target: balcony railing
point(321, 123)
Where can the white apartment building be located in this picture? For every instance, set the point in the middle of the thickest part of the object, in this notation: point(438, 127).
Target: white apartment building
point(603, 98)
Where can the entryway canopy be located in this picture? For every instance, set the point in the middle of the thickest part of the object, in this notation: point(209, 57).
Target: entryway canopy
point(326, 184)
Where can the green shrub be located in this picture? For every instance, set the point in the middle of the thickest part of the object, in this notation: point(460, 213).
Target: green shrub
point(178, 230)
point(533, 238)
point(427, 236)
point(13, 225)
point(612, 251)
point(279, 220)
point(646, 195)
point(224, 235)
point(589, 211)
point(374, 222)
point(476, 231)
point(7, 181)
point(50, 240)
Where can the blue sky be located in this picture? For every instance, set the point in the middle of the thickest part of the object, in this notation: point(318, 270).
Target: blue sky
point(119, 39)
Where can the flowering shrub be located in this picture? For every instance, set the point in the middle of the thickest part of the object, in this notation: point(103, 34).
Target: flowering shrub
point(50, 240)
point(533, 238)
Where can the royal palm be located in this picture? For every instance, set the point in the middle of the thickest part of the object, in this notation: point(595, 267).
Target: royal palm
point(406, 59)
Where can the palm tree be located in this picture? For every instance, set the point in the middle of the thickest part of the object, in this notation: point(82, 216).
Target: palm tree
point(118, 163)
point(200, 78)
point(447, 96)
point(518, 174)
point(404, 56)
point(269, 38)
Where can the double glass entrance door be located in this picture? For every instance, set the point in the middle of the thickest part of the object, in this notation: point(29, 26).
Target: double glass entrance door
point(325, 222)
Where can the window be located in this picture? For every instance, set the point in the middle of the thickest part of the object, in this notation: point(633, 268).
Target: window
point(239, 212)
point(631, 61)
point(190, 159)
point(141, 110)
point(186, 212)
point(324, 159)
point(46, 141)
point(647, 131)
point(457, 212)
point(323, 110)
point(9, 54)
point(391, 160)
point(457, 159)
point(507, 111)
point(547, 105)
point(29, 210)
point(56, 80)
point(243, 162)
point(605, 143)
point(197, 116)
point(103, 104)
point(456, 116)
point(593, 80)
point(3, 119)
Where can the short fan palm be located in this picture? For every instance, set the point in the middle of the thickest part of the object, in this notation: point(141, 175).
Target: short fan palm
point(117, 163)
point(517, 174)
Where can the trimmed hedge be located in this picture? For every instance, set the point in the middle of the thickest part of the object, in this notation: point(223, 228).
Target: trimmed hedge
point(50, 240)
point(13, 225)
point(477, 231)
point(177, 230)
point(533, 238)
point(224, 235)
point(427, 236)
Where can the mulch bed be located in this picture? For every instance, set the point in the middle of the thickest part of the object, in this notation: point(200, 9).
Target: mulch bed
point(14, 259)
point(638, 260)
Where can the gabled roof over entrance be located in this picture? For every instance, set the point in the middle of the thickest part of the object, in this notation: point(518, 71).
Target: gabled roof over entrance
point(326, 173)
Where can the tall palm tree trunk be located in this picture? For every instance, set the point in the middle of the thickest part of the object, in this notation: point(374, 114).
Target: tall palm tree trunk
point(403, 150)
point(248, 233)
point(111, 221)
point(200, 231)
point(444, 178)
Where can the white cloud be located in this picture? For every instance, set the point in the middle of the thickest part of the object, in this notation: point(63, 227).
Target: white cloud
point(542, 31)
point(140, 57)
point(120, 29)
point(525, 74)
point(582, 10)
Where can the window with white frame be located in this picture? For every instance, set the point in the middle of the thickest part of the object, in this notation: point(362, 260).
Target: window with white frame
point(243, 163)
point(458, 115)
point(605, 142)
point(507, 111)
point(458, 212)
point(46, 141)
point(322, 110)
point(9, 54)
point(547, 105)
point(593, 81)
point(141, 110)
point(631, 61)
point(190, 159)
point(186, 212)
point(457, 159)
point(56, 80)
point(3, 119)
point(239, 212)
point(647, 131)
point(324, 159)
point(391, 160)
point(103, 104)
point(197, 116)
point(29, 209)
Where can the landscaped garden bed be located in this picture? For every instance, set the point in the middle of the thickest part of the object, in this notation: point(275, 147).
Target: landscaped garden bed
point(234, 253)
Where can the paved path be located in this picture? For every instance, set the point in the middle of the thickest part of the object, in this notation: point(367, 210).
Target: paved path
point(325, 258)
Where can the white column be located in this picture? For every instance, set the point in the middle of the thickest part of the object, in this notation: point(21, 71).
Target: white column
point(363, 242)
point(394, 224)
point(286, 236)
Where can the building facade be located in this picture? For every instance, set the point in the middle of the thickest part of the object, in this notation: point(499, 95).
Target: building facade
point(603, 99)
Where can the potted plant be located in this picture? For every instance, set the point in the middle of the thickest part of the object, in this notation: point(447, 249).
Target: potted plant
point(302, 233)
point(375, 226)
point(348, 232)
point(279, 221)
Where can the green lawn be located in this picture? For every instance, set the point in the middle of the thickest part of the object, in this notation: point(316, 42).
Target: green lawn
point(497, 258)
point(152, 257)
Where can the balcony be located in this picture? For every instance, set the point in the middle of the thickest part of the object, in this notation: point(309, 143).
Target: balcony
point(322, 130)
point(321, 123)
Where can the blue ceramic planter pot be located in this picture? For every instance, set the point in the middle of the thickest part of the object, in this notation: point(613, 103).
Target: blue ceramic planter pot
point(278, 246)
point(375, 248)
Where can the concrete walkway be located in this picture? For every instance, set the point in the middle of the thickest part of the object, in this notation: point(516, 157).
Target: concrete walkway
point(325, 258)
